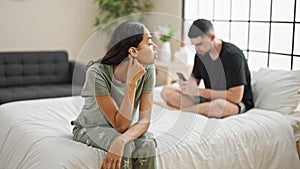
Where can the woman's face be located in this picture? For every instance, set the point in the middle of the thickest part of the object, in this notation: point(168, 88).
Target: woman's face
point(147, 50)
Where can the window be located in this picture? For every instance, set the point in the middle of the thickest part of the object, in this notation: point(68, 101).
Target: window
point(239, 34)
point(259, 36)
point(268, 31)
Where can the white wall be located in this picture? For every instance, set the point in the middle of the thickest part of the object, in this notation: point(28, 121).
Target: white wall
point(31, 25)
point(173, 7)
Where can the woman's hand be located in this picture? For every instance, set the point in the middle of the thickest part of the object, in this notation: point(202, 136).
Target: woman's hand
point(135, 70)
point(114, 155)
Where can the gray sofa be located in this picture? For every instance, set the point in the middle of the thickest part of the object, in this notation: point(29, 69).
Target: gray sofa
point(36, 75)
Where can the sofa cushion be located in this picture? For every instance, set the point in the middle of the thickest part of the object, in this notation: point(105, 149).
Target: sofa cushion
point(33, 68)
point(37, 92)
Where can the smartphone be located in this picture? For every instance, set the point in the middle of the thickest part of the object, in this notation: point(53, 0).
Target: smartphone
point(180, 75)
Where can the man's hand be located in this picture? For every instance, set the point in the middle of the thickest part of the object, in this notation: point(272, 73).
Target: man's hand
point(189, 88)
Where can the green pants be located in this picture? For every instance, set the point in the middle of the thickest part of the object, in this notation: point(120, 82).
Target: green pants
point(138, 154)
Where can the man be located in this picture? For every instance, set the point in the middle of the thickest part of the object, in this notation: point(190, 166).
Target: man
point(224, 70)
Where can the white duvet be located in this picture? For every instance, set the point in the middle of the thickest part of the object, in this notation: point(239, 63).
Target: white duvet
point(37, 134)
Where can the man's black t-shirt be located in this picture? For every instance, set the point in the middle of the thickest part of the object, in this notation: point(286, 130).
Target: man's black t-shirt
point(230, 69)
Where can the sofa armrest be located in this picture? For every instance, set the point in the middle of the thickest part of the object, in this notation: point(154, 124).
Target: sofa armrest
point(77, 72)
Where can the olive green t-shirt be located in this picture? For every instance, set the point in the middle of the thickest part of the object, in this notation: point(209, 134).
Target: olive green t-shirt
point(100, 81)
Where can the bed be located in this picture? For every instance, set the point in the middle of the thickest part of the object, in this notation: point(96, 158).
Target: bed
point(37, 134)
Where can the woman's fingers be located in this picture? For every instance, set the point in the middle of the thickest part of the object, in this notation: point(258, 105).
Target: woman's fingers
point(117, 164)
point(135, 61)
point(135, 70)
point(111, 161)
point(130, 60)
point(105, 162)
point(108, 164)
point(113, 164)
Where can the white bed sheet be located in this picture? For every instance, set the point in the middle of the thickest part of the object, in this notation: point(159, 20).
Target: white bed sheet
point(37, 134)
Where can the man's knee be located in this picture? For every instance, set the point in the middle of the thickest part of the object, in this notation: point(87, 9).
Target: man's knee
point(217, 108)
point(219, 103)
point(166, 91)
point(223, 108)
point(171, 95)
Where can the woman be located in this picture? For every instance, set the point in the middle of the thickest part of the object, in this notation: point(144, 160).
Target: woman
point(115, 86)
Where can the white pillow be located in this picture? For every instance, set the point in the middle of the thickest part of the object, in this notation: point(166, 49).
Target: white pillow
point(276, 90)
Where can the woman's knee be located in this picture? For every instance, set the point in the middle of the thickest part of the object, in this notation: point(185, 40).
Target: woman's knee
point(128, 149)
point(146, 148)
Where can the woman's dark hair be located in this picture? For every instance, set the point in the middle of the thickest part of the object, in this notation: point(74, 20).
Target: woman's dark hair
point(200, 27)
point(126, 35)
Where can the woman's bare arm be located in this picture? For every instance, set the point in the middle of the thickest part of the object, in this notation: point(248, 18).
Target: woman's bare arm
point(119, 118)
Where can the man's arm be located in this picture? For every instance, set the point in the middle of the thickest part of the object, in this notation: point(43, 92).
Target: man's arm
point(223, 104)
point(233, 94)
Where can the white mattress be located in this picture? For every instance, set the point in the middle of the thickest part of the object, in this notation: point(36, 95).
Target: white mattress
point(38, 134)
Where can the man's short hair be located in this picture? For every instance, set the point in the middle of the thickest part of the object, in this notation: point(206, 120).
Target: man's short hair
point(200, 27)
